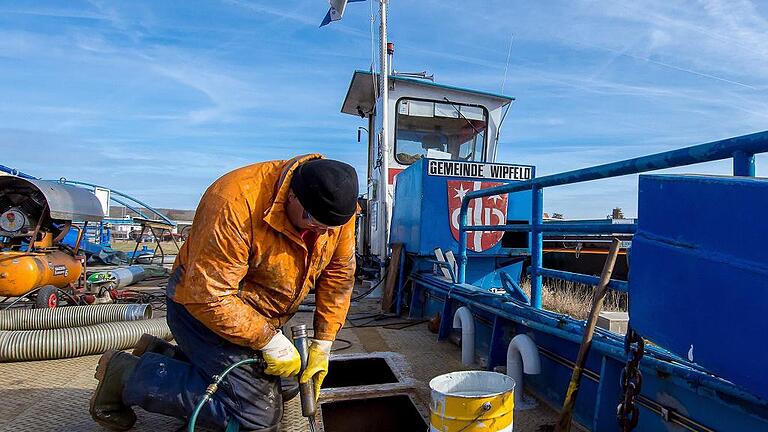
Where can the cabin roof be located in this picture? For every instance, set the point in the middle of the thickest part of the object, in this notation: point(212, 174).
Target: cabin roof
point(360, 95)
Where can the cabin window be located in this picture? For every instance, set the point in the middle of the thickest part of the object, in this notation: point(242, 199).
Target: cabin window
point(439, 130)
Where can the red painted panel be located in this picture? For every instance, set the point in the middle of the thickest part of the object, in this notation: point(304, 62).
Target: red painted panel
point(392, 173)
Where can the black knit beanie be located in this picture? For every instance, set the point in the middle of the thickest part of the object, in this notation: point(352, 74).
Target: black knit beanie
point(327, 189)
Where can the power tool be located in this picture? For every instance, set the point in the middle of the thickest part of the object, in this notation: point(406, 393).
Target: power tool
point(306, 390)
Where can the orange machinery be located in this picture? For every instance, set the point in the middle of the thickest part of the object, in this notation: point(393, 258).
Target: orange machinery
point(35, 215)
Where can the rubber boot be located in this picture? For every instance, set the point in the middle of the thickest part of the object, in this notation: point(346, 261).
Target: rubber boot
point(148, 343)
point(106, 406)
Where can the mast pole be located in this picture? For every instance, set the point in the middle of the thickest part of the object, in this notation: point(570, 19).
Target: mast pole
point(384, 134)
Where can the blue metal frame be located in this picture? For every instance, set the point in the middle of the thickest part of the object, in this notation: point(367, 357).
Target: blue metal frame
point(17, 173)
point(741, 149)
point(744, 164)
point(561, 228)
point(571, 329)
point(513, 288)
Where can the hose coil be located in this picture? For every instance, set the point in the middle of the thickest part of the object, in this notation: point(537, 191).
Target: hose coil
point(72, 316)
point(50, 344)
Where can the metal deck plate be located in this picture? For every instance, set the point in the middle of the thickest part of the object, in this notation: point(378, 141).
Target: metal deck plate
point(53, 395)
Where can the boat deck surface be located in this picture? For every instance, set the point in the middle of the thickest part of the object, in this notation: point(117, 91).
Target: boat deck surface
point(53, 395)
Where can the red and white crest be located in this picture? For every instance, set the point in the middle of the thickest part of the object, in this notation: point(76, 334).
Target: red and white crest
point(490, 210)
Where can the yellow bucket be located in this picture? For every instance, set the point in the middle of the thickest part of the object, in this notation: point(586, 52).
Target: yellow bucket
point(472, 401)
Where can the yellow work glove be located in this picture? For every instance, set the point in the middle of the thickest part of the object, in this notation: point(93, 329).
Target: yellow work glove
point(317, 364)
point(281, 356)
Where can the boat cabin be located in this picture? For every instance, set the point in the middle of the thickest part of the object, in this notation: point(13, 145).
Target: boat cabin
point(425, 120)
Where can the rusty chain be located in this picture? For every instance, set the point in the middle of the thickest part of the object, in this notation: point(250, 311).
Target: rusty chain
point(631, 381)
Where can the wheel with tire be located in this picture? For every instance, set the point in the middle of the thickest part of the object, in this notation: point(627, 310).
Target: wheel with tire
point(184, 234)
point(47, 297)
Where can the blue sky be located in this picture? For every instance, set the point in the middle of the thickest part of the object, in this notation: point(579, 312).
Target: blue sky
point(159, 98)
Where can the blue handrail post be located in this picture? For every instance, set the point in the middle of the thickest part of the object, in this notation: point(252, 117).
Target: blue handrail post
point(462, 276)
point(743, 164)
point(537, 244)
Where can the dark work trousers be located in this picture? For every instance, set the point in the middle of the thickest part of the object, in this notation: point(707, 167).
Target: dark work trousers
point(172, 386)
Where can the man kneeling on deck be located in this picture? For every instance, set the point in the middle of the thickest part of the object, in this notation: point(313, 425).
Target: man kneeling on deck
point(263, 235)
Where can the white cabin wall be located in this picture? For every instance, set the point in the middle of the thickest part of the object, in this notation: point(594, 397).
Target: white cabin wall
point(400, 89)
point(379, 209)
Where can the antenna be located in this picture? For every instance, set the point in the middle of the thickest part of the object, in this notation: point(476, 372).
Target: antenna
point(506, 65)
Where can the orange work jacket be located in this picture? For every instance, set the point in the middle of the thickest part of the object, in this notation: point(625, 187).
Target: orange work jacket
point(245, 267)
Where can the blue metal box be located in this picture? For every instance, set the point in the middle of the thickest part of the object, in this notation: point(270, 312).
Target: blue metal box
point(426, 216)
point(427, 200)
point(698, 281)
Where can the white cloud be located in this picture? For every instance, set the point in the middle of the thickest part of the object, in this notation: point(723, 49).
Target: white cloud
point(145, 87)
point(711, 43)
point(227, 95)
point(51, 12)
point(659, 39)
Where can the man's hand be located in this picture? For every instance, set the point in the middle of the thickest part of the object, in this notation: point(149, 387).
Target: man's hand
point(281, 356)
point(317, 364)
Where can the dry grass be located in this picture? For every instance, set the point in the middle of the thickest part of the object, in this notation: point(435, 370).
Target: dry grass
point(574, 299)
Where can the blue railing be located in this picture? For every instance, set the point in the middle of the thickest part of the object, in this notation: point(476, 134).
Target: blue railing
point(15, 172)
point(741, 149)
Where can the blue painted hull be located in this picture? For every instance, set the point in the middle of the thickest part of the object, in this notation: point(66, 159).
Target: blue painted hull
point(698, 285)
point(676, 395)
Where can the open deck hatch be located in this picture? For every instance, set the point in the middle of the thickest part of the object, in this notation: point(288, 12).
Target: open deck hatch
point(358, 372)
point(379, 414)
